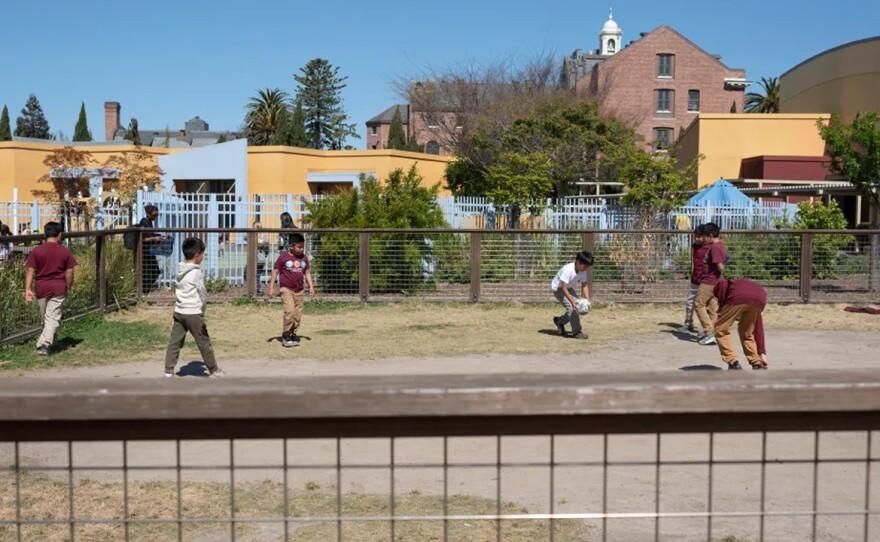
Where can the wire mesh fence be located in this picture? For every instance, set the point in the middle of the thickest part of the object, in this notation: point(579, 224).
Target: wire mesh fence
point(548, 470)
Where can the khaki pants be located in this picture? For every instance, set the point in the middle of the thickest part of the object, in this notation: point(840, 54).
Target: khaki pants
point(748, 315)
point(571, 314)
point(689, 304)
point(293, 309)
point(706, 307)
point(50, 312)
point(195, 325)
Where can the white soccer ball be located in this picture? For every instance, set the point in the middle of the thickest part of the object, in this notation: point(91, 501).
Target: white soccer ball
point(583, 306)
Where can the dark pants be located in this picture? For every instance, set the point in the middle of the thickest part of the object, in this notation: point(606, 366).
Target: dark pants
point(150, 272)
point(261, 268)
point(195, 325)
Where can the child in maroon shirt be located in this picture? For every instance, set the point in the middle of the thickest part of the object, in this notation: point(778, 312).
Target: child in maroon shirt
point(52, 264)
point(294, 269)
point(699, 248)
point(705, 304)
point(740, 299)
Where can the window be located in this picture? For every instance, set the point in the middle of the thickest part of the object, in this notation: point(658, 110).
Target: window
point(662, 138)
point(432, 121)
point(665, 65)
point(374, 129)
point(693, 100)
point(664, 100)
point(432, 147)
point(611, 46)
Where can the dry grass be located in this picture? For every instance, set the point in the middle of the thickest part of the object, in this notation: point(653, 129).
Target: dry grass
point(417, 329)
point(45, 497)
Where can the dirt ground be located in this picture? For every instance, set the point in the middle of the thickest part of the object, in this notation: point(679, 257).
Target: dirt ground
point(419, 339)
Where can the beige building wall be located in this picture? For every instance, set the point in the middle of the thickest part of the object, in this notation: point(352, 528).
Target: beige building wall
point(724, 139)
point(842, 80)
point(271, 170)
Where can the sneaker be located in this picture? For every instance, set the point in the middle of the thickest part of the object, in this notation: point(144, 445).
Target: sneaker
point(687, 328)
point(286, 339)
point(708, 339)
point(582, 335)
point(759, 367)
point(560, 327)
point(218, 373)
point(294, 340)
point(169, 375)
point(735, 366)
point(42, 350)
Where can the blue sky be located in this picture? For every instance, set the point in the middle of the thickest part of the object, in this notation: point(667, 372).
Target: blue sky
point(167, 61)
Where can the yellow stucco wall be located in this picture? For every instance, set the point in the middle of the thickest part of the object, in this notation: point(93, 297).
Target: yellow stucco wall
point(725, 139)
point(271, 170)
point(842, 80)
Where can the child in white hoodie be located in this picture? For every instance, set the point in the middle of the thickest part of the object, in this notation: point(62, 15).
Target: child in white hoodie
point(189, 310)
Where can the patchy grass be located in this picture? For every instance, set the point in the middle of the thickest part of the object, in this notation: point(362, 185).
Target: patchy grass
point(382, 330)
point(91, 340)
point(44, 497)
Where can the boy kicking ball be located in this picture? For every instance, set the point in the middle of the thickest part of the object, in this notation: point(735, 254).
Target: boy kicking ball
point(563, 290)
point(295, 271)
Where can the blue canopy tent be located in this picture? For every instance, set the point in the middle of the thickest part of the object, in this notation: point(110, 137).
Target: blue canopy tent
point(721, 194)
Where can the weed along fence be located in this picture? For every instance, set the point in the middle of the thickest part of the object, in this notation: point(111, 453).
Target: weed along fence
point(513, 458)
point(638, 266)
point(493, 266)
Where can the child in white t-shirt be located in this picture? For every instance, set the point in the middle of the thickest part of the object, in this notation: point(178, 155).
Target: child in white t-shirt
point(563, 289)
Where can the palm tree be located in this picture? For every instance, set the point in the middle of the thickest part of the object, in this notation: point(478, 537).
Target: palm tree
point(768, 102)
point(265, 113)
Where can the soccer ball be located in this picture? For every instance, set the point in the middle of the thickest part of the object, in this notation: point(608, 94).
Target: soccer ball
point(583, 306)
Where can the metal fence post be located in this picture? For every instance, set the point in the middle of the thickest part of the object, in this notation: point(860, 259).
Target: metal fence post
point(476, 261)
point(364, 266)
point(101, 271)
point(806, 266)
point(251, 269)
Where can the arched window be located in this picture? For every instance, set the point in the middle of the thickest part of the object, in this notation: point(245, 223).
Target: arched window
point(611, 46)
point(432, 147)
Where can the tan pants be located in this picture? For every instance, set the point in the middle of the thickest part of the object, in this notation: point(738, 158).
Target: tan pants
point(706, 307)
point(50, 312)
point(748, 315)
point(293, 309)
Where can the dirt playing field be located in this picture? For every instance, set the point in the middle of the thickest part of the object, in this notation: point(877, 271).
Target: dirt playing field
point(461, 339)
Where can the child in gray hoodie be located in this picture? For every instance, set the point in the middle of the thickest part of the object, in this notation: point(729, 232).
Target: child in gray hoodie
point(189, 310)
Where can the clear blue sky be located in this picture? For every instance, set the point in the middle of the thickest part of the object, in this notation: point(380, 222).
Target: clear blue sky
point(167, 61)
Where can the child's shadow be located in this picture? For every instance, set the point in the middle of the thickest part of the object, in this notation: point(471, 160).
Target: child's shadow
point(193, 368)
point(279, 337)
point(64, 344)
point(681, 336)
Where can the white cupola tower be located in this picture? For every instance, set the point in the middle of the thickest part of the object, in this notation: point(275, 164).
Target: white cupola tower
point(611, 37)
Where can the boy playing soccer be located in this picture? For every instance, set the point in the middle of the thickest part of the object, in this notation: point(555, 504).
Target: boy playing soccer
point(294, 269)
point(563, 290)
point(741, 299)
point(705, 303)
point(698, 267)
point(189, 310)
point(52, 264)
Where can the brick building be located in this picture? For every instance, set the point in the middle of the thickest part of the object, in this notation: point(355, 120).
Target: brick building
point(195, 132)
point(659, 82)
point(416, 124)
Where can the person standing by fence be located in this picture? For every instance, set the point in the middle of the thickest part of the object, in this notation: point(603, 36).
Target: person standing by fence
point(705, 303)
point(52, 265)
point(150, 270)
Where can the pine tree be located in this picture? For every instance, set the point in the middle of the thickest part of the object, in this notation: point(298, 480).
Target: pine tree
point(291, 130)
point(222, 138)
point(5, 130)
point(319, 91)
point(132, 134)
point(81, 131)
point(396, 135)
point(414, 146)
point(733, 107)
point(32, 122)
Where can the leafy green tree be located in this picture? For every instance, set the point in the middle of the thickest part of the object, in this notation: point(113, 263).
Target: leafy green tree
point(5, 130)
point(166, 139)
point(32, 122)
point(655, 184)
point(292, 130)
point(464, 179)
point(221, 138)
point(264, 115)
point(396, 135)
point(826, 248)
point(133, 134)
point(81, 131)
point(766, 102)
point(413, 145)
point(397, 262)
point(518, 179)
point(854, 149)
point(320, 93)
